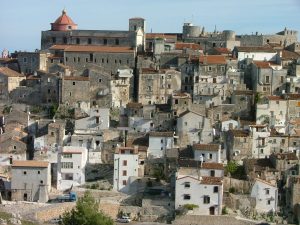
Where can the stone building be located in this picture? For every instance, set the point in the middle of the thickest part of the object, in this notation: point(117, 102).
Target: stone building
point(9, 80)
point(196, 34)
point(237, 144)
point(157, 86)
point(111, 58)
point(64, 31)
point(31, 181)
point(283, 38)
point(193, 128)
point(75, 90)
point(121, 88)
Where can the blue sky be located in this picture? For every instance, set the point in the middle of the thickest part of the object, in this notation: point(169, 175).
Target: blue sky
point(21, 21)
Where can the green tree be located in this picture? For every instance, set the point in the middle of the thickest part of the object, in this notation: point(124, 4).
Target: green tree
point(86, 213)
point(231, 167)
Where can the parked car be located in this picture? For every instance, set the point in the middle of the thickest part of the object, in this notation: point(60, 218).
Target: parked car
point(56, 220)
point(124, 219)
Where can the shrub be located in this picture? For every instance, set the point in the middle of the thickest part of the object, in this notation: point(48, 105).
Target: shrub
point(232, 190)
point(190, 206)
point(224, 210)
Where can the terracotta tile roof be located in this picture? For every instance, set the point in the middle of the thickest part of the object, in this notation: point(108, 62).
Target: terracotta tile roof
point(288, 55)
point(9, 72)
point(293, 96)
point(212, 59)
point(243, 92)
point(161, 134)
point(134, 105)
point(91, 48)
point(262, 64)
point(222, 50)
point(239, 133)
point(160, 35)
point(77, 78)
point(212, 165)
point(29, 163)
point(73, 150)
point(247, 122)
point(211, 180)
point(206, 147)
point(181, 95)
point(255, 49)
point(182, 45)
point(275, 98)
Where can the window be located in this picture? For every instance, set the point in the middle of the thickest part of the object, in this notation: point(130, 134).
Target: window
point(186, 197)
point(100, 80)
point(97, 143)
point(281, 79)
point(24, 172)
point(210, 156)
point(41, 181)
point(268, 202)
point(267, 191)
point(162, 141)
point(176, 101)
point(15, 147)
point(77, 41)
point(295, 143)
point(73, 82)
point(89, 41)
point(70, 93)
point(124, 182)
point(267, 79)
point(39, 172)
point(216, 189)
point(209, 68)
point(74, 59)
point(117, 42)
point(283, 141)
point(124, 162)
point(78, 59)
point(67, 165)
point(91, 57)
point(65, 40)
point(25, 60)
point(105, 41)
point(185, 123)
point(53, 39)
point(124, 172)
point(206, 199)
point(67, 155)
point(212, 173)
point(187, 184)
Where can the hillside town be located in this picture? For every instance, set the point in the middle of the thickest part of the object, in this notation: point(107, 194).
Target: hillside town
point(196, 127)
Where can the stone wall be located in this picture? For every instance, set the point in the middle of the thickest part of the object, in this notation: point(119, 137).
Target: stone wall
point(48, 213)
point(241, 186)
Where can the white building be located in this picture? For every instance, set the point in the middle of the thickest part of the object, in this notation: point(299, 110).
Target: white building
point(260, 141)
point(71, 167)
point(266, 196)
point(196, 186)
point(30, 180)
point(255, 53)
point(126, 168)
point(193, 128)
point(98, 119)
point(208, 152)
point(159, 144)
point(273, 111)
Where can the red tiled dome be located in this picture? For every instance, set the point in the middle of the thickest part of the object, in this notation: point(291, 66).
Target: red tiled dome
point(63, 23)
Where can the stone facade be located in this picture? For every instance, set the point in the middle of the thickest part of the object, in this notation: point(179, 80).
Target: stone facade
point(156, 87)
